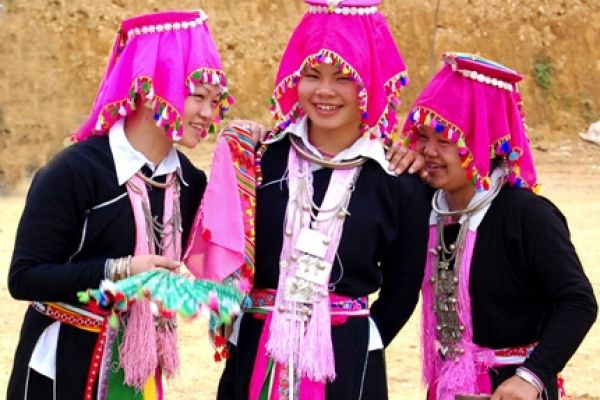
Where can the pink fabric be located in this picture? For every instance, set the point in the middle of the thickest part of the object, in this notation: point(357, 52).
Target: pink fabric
point(315, 359)
point(160, 393)
point(216, 246)
point(261, 362)
point(481, 118)
point(309, 390)
point(361, 43)
point(445, 379)
point(159, 66)
point(146, 349)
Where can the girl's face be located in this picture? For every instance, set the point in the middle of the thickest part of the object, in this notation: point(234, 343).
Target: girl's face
point(198, 113)
point(330, 100)
point(444, 166)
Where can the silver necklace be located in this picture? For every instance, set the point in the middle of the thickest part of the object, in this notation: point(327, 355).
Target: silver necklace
point(445, 279)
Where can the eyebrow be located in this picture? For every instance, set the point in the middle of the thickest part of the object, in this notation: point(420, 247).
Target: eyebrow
point(317, 71)
point(206, 86)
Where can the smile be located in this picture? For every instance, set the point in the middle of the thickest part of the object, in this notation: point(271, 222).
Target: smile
point(435, 166)
point(197, 126)
point(327, 107)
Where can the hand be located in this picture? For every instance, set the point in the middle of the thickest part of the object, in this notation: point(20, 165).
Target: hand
point(149, 262)
point(515, 388)
point(402, 159)
point(258, 131)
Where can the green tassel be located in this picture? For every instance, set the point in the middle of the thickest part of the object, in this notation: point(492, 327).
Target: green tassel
point(113, 321)
point(83, 297)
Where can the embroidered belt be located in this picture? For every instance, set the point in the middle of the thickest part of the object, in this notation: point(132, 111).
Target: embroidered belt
point(70, 315)
point(81, 319)
point(263, 300)
point(512, 355)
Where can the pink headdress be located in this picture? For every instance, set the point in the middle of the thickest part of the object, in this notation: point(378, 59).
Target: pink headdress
point(158, 58)
point(354, 36)
point(475, 103)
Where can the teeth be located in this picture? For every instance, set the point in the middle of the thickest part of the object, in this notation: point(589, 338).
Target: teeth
point(326, 107)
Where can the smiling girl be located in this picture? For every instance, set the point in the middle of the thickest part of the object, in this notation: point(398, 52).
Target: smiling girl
point(118, 203)
point(505, 299)
point(333, 223)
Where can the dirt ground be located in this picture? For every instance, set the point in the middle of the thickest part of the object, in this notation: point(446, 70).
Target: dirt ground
point(569, 171)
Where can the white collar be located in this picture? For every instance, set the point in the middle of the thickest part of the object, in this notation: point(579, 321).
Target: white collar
point(363, 147)
point(128, 160)
point(476, 217)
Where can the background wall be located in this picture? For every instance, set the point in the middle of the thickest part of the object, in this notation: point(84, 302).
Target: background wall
point(53, 52)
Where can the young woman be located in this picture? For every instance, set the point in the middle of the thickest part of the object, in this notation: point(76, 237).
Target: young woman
point(333, 223)
point(505, 300)
point(116, 204)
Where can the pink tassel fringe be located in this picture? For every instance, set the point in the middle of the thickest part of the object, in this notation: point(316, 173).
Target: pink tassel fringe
point(168, 355)
point(138, 351)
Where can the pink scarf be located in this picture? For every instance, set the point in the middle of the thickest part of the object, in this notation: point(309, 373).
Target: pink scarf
point(148, 350)
point(221, 242)
point(445, 379)
point(157, 58)
point(475, 103)
point(354, 36)
point(304, 346)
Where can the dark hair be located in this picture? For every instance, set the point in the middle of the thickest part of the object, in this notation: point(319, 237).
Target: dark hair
point(497, 162)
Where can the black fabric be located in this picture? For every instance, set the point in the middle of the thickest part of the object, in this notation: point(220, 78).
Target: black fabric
point(527, 284)
point(383, 247)
point(375, 386)
point(360, 374)
point(39, 387)
point(46, 264)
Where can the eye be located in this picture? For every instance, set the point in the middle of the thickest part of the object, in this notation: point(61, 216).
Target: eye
point(215, 103)
point(345, 78)
point(310, 75)
point(198, 96)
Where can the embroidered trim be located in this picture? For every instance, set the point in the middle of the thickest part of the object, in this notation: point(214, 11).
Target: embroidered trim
point(175, 26)
point(72, 316)
point(502, 147)
point(95, 365)
point(382, 128)
point(166, 115)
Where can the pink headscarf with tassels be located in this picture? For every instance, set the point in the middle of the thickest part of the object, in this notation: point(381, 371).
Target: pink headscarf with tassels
point(160, 58)
point(475, 103)
point(354, 36)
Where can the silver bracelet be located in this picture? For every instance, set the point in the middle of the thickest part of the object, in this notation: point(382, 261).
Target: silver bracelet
point(531, 378)
point(128, 267)
point(107, 268)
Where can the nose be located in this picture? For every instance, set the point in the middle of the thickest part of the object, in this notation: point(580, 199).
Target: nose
point(429, 148)
point(206, 111)
point(325, 88)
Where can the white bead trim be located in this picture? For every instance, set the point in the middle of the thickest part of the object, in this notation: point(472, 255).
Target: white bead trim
point(166, 27)
point(343, 10)
point(486, 79)
point(479, 77)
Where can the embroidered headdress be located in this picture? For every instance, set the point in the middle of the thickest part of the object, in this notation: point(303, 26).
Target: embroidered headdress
point(159, 58)
point(475, 103)
point(354, 36)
